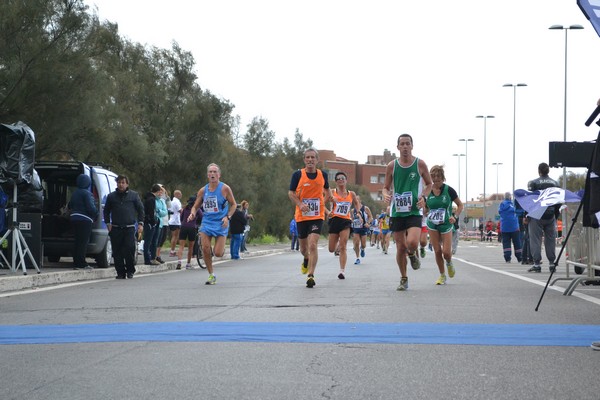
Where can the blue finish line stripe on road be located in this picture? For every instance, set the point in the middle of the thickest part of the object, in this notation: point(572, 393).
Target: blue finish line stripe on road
point(290, 332)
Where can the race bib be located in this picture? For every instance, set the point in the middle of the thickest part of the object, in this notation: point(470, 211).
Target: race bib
point(314, 207)
point(437, 216)
point(342, 208)
point(357, 223)
point(210, 205)
point(403, 201)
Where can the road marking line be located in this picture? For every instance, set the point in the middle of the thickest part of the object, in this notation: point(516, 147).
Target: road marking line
point(582, 296)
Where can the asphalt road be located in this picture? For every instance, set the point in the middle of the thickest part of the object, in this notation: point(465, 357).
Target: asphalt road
point(259, 333)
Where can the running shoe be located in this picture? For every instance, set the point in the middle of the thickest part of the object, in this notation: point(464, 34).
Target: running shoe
point(357, 261)
point(310, 281)
point(304, 268)
point(441, 280)
point(414, 261)
point(535, 268)
point(172, 254)
point(451, 270)
point(341, 275)
point(385, 251)
point(362, 252)
point(423, 254)
point(188, 266)
point(178, 266)
point(595, 345)
point(403, 284)
point(211, 280)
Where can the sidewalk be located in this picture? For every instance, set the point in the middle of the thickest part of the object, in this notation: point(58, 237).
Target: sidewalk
point(59, 273)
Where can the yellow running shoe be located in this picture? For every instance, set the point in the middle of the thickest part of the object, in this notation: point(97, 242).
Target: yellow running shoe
point(211, 280)
point(303, 269)
point(451, 270)
point(441, 280)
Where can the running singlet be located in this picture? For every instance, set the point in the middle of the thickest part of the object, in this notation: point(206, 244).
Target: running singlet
point(215, 207)
point(385, 223)
point(440, 207)
point(310, 192)
point(341, 205)
point(407, 186)
point(360, 218)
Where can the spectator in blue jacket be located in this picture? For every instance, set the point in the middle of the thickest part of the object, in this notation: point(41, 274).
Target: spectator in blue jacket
point(83, 212)
point(294, 235)
point(509, 226)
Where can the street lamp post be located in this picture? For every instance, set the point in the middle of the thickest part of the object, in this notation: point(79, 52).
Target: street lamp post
point(485, 117)
point(497, 164)
point(514, 86)
point(459, 156)
point(466, 172)
point(566, 29)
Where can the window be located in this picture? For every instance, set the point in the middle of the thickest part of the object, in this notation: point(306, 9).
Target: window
point(374, 179)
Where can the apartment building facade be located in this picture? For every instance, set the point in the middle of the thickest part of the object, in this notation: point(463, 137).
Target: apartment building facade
point(370, 175)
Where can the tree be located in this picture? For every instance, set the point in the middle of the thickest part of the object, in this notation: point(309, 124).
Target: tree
point(259, 139)
point(295, 153)
point(575, 182)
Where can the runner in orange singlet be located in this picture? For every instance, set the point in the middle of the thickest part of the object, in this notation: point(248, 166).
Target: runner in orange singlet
point(309, 191)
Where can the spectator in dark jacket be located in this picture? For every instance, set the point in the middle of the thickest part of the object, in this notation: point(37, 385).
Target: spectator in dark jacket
point(509, 226)
point(122, 210)
point(83, 213)
point(237, 224)
point(151, 225)
point(545, 227)
point(188, 232)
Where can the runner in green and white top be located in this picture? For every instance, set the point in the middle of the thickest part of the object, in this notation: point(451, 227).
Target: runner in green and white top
point(440, 221)
point(406, 194)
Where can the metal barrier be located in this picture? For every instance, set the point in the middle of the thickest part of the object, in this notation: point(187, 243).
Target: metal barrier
point(583, 253)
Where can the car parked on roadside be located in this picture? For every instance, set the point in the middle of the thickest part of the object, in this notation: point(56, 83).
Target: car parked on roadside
point(58, 179)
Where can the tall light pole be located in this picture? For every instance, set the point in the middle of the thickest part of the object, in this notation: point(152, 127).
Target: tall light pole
point(459, 156)
point(466, 172)
point(497, 164)
point(566, 29)
point(514, 86)
point(485, 117)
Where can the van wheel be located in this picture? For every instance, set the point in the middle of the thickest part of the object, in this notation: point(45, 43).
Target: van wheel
point(54, 258)
point(103, 259)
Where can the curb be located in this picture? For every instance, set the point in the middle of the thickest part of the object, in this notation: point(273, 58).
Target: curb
point(16, 282)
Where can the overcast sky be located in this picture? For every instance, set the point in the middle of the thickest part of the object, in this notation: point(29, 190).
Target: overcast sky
point(354, 75)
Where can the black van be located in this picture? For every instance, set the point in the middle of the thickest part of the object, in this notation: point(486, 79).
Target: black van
point(58, 183)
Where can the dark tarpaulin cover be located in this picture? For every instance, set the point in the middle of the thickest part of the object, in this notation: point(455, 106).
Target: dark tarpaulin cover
point(17, 158)
point(591, 198)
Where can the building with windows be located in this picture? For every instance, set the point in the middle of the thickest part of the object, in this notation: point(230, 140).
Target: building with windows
point(370, 175)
